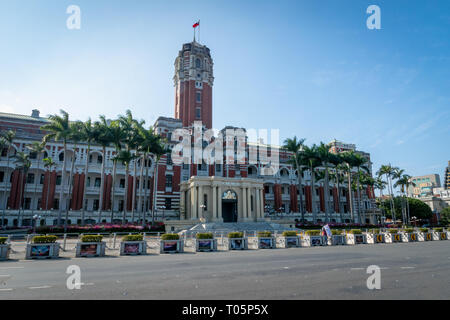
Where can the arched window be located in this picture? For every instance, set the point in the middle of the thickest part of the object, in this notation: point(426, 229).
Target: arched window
point(198, 63)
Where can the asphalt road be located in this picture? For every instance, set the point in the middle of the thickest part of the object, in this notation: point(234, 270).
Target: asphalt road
point(408, 271)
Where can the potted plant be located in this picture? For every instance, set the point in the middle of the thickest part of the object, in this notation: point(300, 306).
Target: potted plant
point(236, 241)
point(355, 236)
point(424, 235)
point(392, 236)
point(409, 235)
point(42, 247)
point(91, 246)
point(439, 234)
point(5, 248)
point(289, 239)
point(171, 243)
point(375, 236)
point(205, 242)
point(337, 238)
point(312, 238)
point(265, 240)
point(133, 244)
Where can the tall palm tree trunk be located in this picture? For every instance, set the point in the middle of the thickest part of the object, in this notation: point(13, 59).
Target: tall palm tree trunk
point(63, 185)
point(300, 189)
point(113, 189)
point(313, 196)
point(350, 193)
point(86, 172)
point(141, 182)
point(68, 203)
point(155, 189)
point(48, 190)
point(358, 188)
point(133, 201)
point(5, 198)
point(327, 194)
point(102, 186)
point(125, 207)
point(146, 207)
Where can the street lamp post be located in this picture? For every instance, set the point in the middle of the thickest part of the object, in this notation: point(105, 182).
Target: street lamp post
point(163, 208)
point(35, 218)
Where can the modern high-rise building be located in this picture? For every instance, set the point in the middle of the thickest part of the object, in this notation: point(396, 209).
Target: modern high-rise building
point(424, 185)
point(447, 177)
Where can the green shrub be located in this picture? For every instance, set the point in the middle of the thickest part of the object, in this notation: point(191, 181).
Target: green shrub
point(206, 235)
point(355, 231)
point(264, 234)
point(438, 229)
point(336, 232)
point(313, 233)
point(424, 230)
point(289, 233)
point(170, 236)
point(3, 240)
point(375, 231)
point(133, 237)
point(409, 230)
point(393, 231)
point(91, 238)
point(44, 239)
point(235, 235)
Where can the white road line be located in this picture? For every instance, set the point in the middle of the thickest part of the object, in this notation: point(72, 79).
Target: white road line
point(407, 267)
point(7, 289)
point(41, 287)
point(1, 268)
point(356, 268)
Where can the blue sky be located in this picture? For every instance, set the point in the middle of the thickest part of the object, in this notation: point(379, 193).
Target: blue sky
point(308, 68)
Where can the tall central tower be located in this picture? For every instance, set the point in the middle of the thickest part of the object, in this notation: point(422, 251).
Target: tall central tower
point(193, 81)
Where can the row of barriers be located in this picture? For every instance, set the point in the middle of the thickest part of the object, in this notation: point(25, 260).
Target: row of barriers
point(129, 244)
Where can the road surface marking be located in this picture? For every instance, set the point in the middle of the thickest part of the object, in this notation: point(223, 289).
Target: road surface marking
point(1, 268)
point(407, 267)
point(41, 287)
point(357, 269)
point(7, 289)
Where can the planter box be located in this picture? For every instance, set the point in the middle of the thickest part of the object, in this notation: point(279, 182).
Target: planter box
point(205, 245)
point(356, 238)
point(266, 243)
point(375, 238)
point(440, 235)
point(236, 243)
point(42, 250)
point(336, 240)
point(422, 236)
point(289, 242)
point(393, 237)
point(171, 246)
point(312, 241)
point(91, 249)
point(4, 251)
point(133, 248)
point(410, 237)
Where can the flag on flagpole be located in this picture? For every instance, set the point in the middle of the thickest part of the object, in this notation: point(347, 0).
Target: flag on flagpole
point(196, 24)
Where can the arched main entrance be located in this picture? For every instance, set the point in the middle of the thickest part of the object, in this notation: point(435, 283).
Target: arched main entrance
point(229, 206)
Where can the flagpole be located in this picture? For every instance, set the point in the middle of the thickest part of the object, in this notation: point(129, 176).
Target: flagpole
point(199, 26)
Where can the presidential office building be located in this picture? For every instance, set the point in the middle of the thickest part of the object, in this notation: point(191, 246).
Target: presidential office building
point(186, 193)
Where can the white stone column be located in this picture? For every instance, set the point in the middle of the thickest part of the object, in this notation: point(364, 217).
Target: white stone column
point(258, 205)
point(219, 202)
point(249, 203)
point(200, 202)
point(214, 202)
point(182, 205)
point(194, 202)
point(244, 203)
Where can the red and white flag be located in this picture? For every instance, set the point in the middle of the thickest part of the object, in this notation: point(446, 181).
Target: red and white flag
point(196, 24)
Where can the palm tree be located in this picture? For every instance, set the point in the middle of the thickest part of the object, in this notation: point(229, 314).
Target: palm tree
point(125, 157)
point(36, 148)
point(295, 147)
point(23, 163)
point(59, 130)
point(347, 158)
point(337, 161)
point(389, 171)
point(48, 164)
point(326, 158)
point(76, 136)
point(8, 139)
point(103, 136)
point(404, 181)
point(89, 134)
point(360, 163)
point(118, 135)
point(311, 160)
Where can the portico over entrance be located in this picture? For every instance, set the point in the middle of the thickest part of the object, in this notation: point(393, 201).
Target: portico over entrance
point(218, 199)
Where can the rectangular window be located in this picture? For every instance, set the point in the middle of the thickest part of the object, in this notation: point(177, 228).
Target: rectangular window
point(58, 180)
point(2, 176)
point(218, 167)
point(168, 204)
point(27, 204)
point(42, 179)
point(97, 182)
point(169, 181)
point(99, 159)
point(30, 178)
point(198, 113)
point(96, 204)
point(199, 97)
point(122, 183)
point(4, 152)
point(56, 204)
